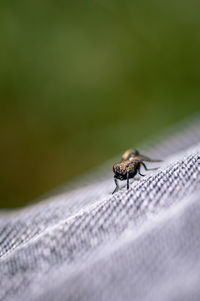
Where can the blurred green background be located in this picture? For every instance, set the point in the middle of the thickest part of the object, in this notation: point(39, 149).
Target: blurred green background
point(82, 81)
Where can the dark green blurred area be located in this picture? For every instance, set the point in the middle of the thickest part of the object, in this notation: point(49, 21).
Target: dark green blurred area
point(82, 81)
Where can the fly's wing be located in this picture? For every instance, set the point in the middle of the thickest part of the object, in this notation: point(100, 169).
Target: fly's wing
point(142, 158)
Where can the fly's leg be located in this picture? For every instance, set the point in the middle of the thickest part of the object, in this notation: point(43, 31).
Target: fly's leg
point(142, 163)
point(117, 186)
point(139, 169)
point(127, 177)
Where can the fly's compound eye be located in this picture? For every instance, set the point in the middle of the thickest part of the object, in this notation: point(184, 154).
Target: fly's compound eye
point(114, 168)
point(118, 169)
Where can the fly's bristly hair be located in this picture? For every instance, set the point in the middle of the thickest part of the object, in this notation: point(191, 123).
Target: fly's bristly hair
point(129, 166)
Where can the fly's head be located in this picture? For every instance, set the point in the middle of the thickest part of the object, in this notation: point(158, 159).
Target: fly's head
point(119, 170)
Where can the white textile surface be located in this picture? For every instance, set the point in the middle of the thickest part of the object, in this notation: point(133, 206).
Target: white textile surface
point(83, 243)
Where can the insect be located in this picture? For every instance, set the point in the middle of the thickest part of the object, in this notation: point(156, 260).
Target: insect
point(129, 166)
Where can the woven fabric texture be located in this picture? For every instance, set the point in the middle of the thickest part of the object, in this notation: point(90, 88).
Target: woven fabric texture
point(83, 243)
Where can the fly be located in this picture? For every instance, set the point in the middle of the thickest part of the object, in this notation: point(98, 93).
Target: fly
point(129, 166)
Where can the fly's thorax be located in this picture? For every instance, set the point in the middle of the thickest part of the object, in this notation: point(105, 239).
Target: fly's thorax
point(130, 153)
point(132, 165)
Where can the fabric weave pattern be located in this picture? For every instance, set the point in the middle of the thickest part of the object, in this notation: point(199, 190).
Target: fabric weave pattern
point(87, 244)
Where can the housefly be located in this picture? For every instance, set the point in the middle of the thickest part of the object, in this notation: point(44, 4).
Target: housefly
point(129, 166)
